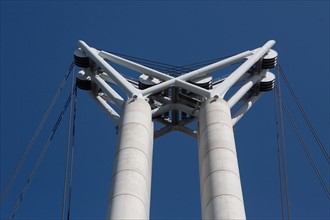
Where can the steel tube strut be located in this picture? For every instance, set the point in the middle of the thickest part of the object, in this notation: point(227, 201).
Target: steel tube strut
point(215, 66)
point(240, 71)
point(154, 73)
point(245, 108)
point(113, 95)
point(115, 76)
point(245, 88)
point(107, 108)
point(220, 185)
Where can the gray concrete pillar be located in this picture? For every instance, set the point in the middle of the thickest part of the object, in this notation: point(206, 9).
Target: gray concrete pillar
point(220, 185)
point(131, 179)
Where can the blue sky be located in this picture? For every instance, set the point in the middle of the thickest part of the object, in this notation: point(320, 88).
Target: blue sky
point(37, 43)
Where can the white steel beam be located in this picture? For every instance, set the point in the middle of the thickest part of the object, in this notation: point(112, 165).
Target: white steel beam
point(115, 76)
point(185, 108)
point(106, 78)
point(164, 77)
point(158, 88)
point(179, 81)
point(245, 108)
point(245, 88)
point(240, 71)
point(170, 107)
point(161, 110)
point(113, 95)
point(214, 66)
point(114, 116)
point(170, 81)
point(134, 66)
point(193, 88)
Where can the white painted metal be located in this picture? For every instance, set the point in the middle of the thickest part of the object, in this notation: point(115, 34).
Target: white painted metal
point(158, 88)
point(181, 80)
point(221, 193)
point(188, 76)
point(215, 66)
point(148, 80)
point(268, 77)
point(83, 76)
point(135, 66)
point(179, 83)
point(245, 88)
point(161, 110)
point(131, 179)
point(245, 108)
point(115, 76)
point(240, 71)
point(113, 95)
point(193, 88)
point(201, 80)
point(185, 108)
point(170, 107)
point(271, 54)
point(171, 81)
point(108, 109)
point(106, 78)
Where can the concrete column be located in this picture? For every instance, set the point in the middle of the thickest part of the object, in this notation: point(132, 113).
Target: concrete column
point(131, 178)
point(220, 185)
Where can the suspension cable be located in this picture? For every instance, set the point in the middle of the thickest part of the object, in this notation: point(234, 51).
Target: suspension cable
point(168, 68)
point(305, 146)
point(304, 114)
point(68, 146)
point(41, 157)
point(36, 134)
point(165, 68)
point(147, 61)
point(72, 153)
point(190, 67)
point(279, 154)
point(283, 149)
point(282, 146)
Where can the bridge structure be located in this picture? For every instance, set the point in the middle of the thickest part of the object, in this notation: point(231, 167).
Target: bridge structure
point(154, 103)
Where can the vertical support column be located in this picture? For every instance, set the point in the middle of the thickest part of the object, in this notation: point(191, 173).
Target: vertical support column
point(220, 185)
point(131, 178)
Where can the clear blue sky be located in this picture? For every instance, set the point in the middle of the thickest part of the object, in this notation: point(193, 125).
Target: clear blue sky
point(37, 43)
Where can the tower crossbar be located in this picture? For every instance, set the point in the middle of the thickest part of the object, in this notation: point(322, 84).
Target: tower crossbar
point(150, 103)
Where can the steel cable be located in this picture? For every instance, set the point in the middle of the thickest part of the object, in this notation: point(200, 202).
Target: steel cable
point(36, 134)
point(146, 61)
point(304, 114)
point(279, 114)
point(283, 148)
point(68, 146)
point(41, 157)
point(279, 154)
point(168, 68)
point(72, 153)
point(305, 146)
